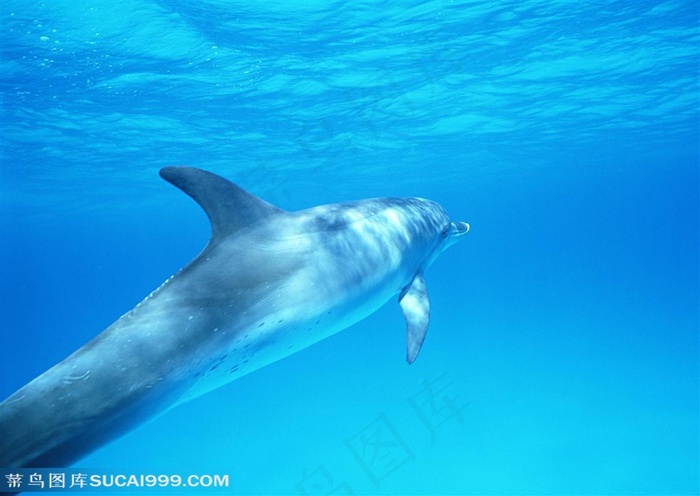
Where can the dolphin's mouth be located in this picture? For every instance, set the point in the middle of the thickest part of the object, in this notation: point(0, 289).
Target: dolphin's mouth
point(460, 228)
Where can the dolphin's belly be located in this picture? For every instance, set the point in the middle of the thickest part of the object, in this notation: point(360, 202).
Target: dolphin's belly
point(278, 332)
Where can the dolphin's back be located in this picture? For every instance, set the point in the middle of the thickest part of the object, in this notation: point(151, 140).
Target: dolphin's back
point(130, 372)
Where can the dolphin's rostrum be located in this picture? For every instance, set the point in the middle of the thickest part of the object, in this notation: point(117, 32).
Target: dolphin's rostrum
point(268, 284)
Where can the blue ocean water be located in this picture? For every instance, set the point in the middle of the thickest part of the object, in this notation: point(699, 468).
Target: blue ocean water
point(563, 352)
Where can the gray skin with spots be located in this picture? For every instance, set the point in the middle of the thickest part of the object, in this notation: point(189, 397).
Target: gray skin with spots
point(268, 284)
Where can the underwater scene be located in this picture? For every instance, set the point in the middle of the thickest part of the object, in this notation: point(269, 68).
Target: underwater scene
point(550, 311)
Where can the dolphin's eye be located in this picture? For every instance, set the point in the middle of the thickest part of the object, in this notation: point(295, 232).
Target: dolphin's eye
point(445, 232)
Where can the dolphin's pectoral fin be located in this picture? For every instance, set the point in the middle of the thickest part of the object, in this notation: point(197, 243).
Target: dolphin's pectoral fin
point(416, 308)
point(229, 207)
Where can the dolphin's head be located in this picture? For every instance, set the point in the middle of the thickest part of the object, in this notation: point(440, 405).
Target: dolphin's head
point(430, 229)
point(405, 232)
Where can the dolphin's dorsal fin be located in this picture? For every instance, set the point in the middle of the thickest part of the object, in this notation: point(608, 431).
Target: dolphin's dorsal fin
point(229, 207)
point(415, 305)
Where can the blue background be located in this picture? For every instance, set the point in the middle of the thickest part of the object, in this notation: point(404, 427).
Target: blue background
point(562, 356)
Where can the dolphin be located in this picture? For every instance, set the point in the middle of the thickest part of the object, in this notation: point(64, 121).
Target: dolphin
point(268, 284)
